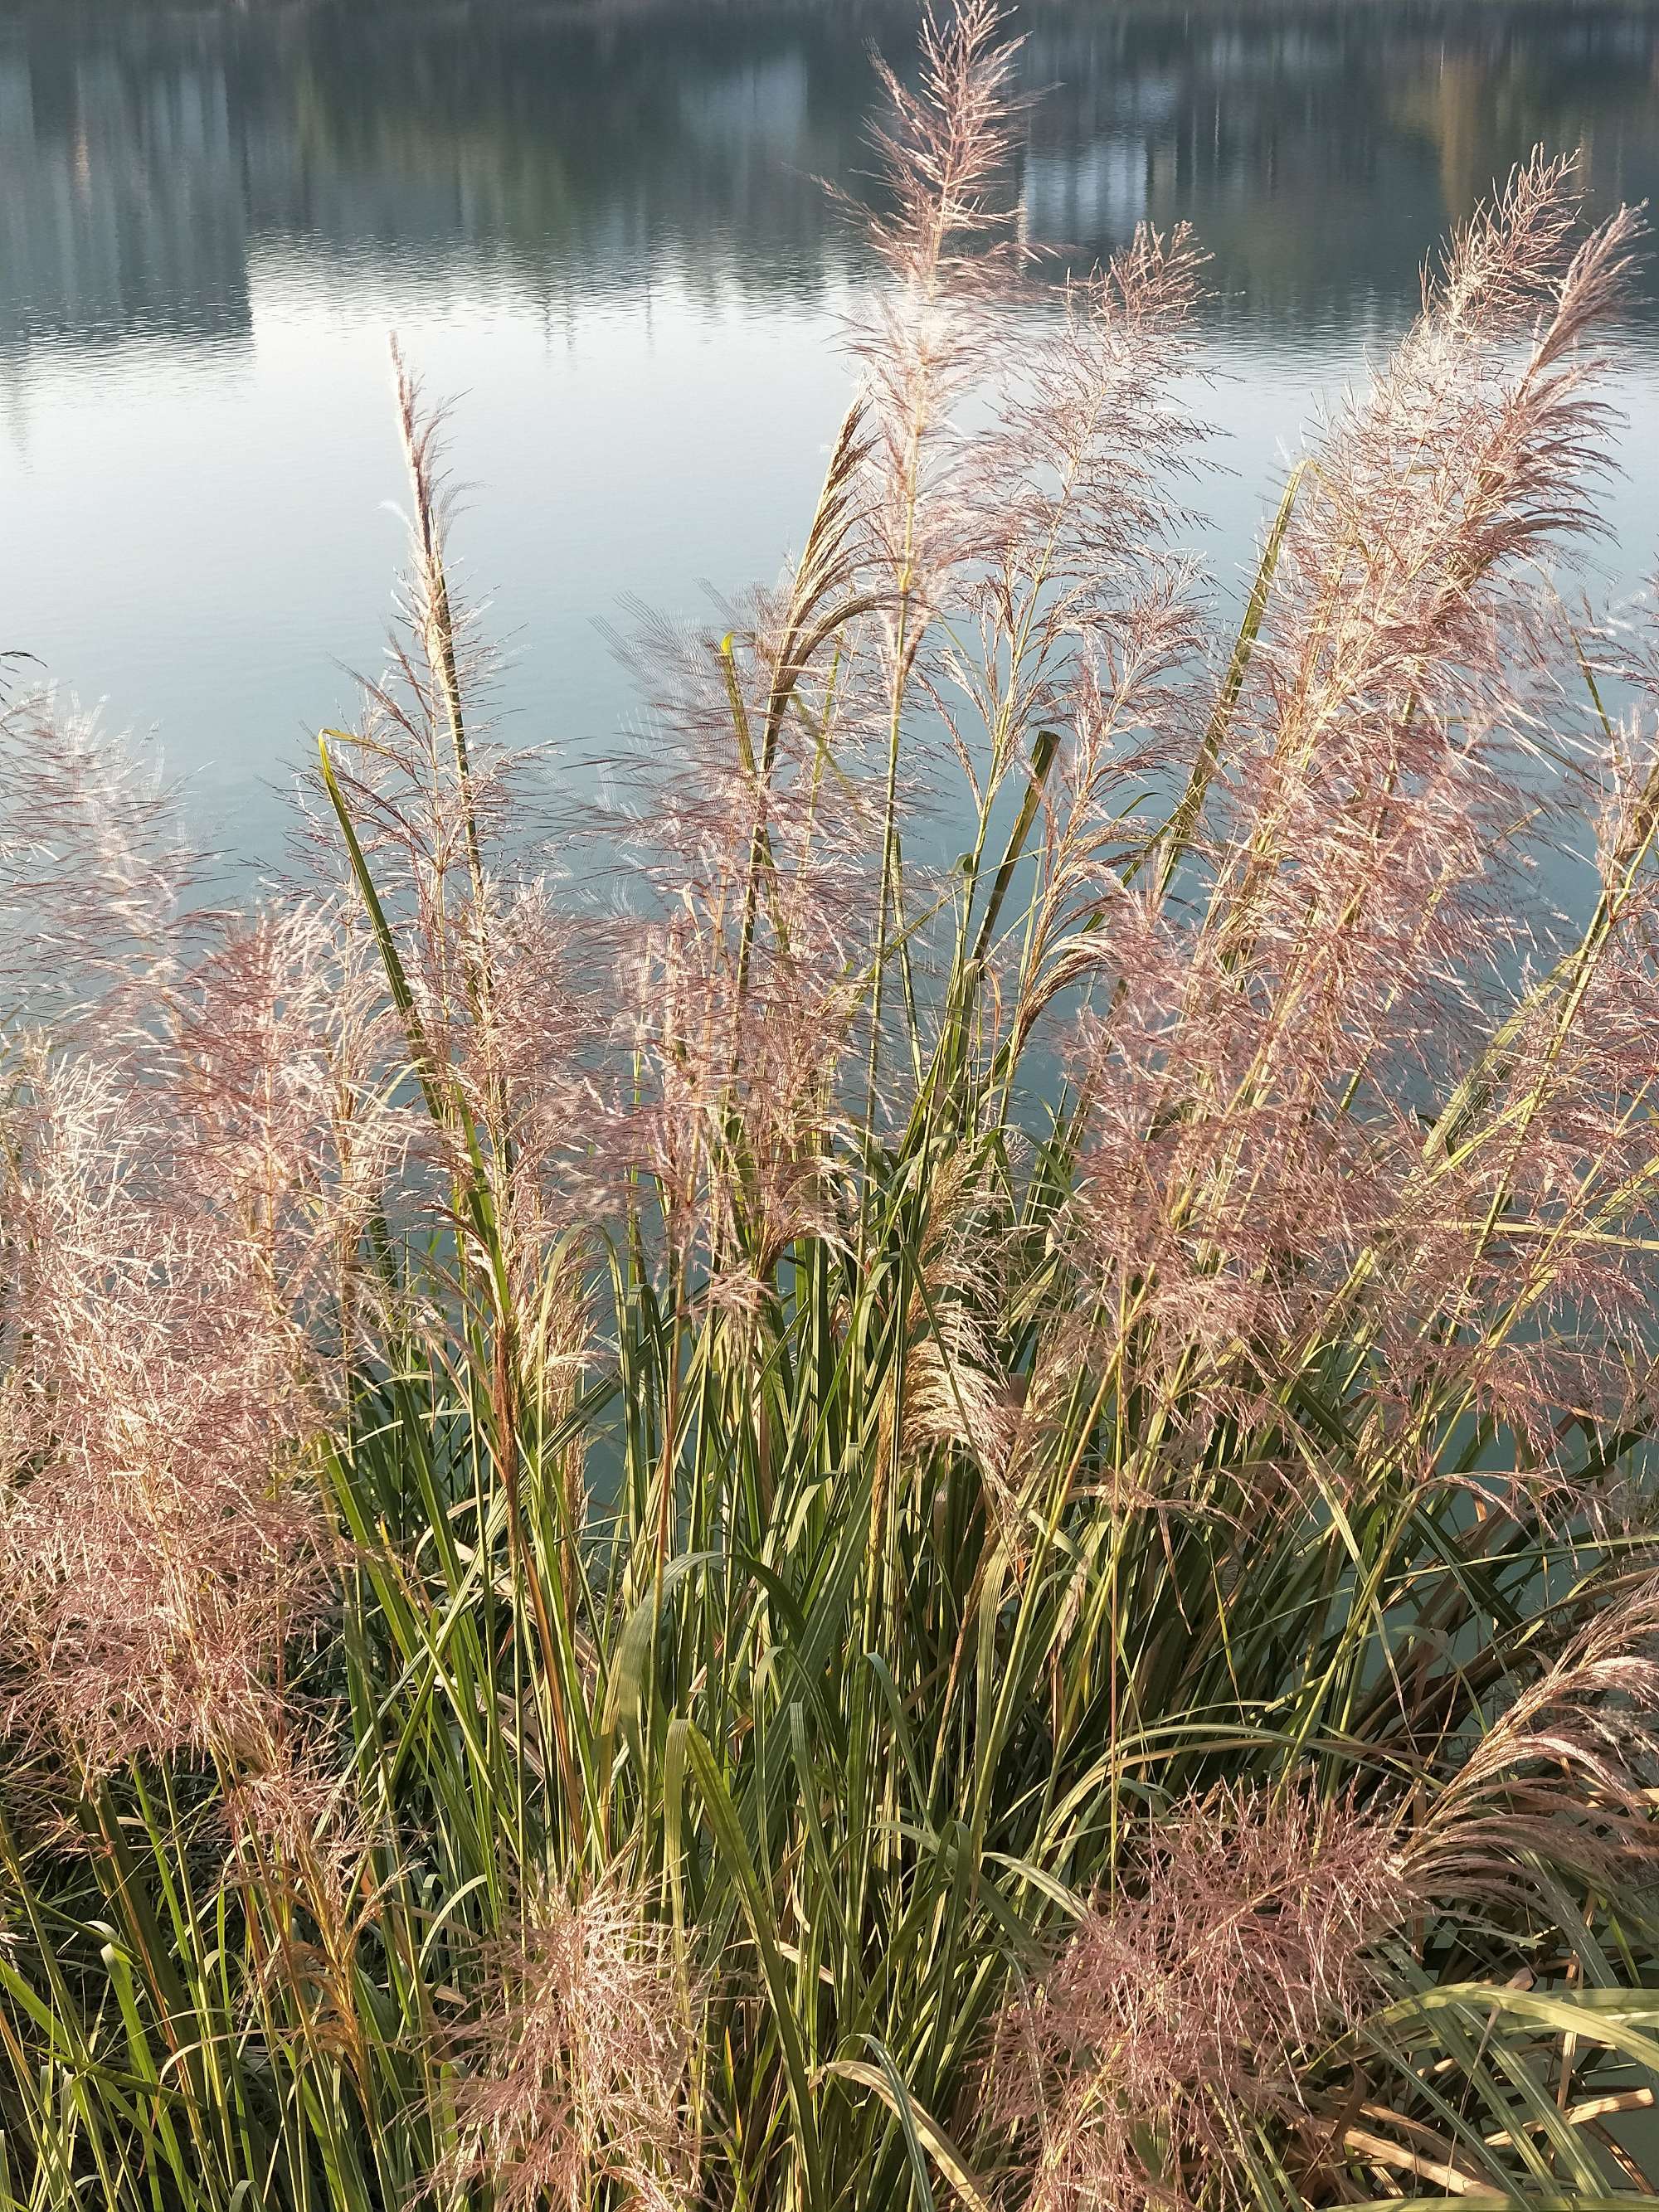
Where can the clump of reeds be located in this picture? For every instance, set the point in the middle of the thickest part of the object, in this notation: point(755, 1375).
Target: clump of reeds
point(886, 1534)
point(579, 2068)
point(1176, 2016)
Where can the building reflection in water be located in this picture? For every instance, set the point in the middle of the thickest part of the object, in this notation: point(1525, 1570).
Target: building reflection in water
point(147, 159)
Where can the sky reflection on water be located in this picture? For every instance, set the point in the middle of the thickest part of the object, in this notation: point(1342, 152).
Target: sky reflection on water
point(606, 234)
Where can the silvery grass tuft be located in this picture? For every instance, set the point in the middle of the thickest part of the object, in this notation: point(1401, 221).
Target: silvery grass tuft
point(950, 1503)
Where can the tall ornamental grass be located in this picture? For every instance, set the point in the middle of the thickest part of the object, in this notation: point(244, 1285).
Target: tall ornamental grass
point(922, 1482)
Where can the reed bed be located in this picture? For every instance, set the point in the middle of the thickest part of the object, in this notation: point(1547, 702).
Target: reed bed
point(862, 1526)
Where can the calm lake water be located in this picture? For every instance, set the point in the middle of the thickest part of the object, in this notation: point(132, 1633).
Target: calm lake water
point(601, 230)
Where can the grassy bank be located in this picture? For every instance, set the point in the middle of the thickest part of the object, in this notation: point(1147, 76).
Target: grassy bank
point(745, 1522)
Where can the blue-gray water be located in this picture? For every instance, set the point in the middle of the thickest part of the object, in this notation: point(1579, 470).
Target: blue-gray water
point(601, 229)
